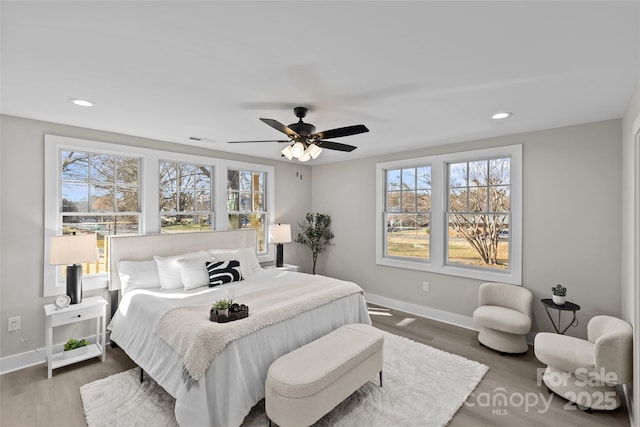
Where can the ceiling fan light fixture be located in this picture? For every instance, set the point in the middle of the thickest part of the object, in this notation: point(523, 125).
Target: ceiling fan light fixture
point(286, 151)
point(314, 151)
point(297, 149)
point(305, 157)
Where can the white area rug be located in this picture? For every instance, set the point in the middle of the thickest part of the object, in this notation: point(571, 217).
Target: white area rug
point(423, 386)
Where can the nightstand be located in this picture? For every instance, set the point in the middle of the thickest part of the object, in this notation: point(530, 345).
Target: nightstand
point(89, 308)
point(285, 267)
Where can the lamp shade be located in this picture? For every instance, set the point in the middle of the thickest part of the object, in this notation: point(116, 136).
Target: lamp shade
point(280, 233)
point(314, 151)
point(305, 157)
point(73, 249)
point(286, 151)
point(297, 149)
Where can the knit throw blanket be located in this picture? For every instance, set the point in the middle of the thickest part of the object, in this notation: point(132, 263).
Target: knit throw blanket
point(197, 340)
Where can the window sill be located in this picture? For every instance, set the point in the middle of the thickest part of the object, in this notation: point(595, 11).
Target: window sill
point(450, 270)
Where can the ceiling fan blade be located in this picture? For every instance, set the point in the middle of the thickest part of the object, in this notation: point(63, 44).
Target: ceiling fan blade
point(330, 145)
point(345, 131)
point(264, 140)
point(282, 128)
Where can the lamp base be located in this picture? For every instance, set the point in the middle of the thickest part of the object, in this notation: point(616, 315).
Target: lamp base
point(279, 254)
point(74, 283)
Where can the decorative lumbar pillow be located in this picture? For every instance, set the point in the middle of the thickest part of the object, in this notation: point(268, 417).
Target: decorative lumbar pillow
point(169, 270)
point(221, 272)
point(193, 271)
point(138, 275)
point(247, 257)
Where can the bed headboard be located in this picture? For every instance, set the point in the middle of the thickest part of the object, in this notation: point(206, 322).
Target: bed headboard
point(142, 247)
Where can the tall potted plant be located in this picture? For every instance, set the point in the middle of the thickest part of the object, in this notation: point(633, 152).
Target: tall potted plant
point(315, 233)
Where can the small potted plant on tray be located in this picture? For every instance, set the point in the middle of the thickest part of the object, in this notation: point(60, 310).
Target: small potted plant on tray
point(559, 294)
point(222, 306)
point(75, 347)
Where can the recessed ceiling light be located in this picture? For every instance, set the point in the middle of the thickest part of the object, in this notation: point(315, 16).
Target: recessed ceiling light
point(81, 102)
point(501, 115)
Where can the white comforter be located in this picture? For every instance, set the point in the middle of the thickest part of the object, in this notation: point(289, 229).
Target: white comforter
point(234, 381)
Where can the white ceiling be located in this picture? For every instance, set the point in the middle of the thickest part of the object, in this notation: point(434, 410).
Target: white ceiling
point(416, 74)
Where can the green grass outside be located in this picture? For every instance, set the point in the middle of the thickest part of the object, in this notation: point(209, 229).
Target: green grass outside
point(415, 244)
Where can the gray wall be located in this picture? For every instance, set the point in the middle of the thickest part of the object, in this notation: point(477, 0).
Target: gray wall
point(571, 205)
point(21, 222)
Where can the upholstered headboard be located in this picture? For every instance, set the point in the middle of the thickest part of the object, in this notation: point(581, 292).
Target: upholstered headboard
point(144, 246)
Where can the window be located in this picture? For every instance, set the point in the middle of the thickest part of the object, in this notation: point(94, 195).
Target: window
point(246, 203)
point(185, 197)
point(103, 188)
point(478, 213)
point(98, 194)
point(408, 212)
point(458, 214)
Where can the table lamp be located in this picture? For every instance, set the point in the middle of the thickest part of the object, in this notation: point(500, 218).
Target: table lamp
point(72, 250)
point(279, 234)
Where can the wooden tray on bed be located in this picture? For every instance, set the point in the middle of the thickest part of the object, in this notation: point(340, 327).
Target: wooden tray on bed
point(241, 312)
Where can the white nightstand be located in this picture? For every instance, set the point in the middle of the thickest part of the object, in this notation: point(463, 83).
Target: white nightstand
point(285, 267)
point(89, 308)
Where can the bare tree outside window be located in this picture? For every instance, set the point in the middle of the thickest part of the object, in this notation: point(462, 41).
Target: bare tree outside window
point(246, 203)
point(185, 197)
point(99, 194)
point(408, 212)
point(479, 213)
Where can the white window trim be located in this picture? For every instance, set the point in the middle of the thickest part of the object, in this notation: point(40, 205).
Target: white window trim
point(437, 261)
point(270, 200)
point(149, 190)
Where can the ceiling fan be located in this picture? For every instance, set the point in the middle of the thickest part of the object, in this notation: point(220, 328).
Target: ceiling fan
point(305, 142)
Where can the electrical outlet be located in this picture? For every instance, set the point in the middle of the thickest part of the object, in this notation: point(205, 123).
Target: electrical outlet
point(425, 286)
point(14, 323)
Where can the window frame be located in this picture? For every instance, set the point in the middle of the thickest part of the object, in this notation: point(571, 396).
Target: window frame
point(415, 190)
point(149, 189)
point(438, 227)
point(265, 232)
point(212, 188)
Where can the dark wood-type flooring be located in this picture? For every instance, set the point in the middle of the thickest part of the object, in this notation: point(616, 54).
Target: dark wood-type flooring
point(29, 399)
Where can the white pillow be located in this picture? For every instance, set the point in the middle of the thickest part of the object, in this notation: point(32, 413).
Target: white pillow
point(138, 275)
point(169, 270)
point(193, 271)
point(247, 256)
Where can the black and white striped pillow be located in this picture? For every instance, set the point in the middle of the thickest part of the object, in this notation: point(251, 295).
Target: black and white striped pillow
point(221, 272)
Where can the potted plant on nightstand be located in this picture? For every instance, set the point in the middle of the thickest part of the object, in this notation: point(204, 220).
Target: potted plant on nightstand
point(559, 294)
point(75, 347)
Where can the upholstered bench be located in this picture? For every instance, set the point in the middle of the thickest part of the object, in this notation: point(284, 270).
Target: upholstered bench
point(304, 385)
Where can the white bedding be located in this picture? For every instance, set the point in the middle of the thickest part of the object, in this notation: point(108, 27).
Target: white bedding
point(234, 381)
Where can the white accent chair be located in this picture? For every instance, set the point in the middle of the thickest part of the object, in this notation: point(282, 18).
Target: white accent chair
point(586, 372)
point(503, 317)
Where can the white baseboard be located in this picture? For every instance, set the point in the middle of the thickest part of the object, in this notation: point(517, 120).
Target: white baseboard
point(422, 311)
point(31, 358)
point(431, 313)
point(22, 360)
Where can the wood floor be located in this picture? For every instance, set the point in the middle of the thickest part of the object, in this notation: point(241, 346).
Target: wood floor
point(29, 399)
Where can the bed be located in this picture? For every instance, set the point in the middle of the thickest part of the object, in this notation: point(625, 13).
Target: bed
point(164, 329)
